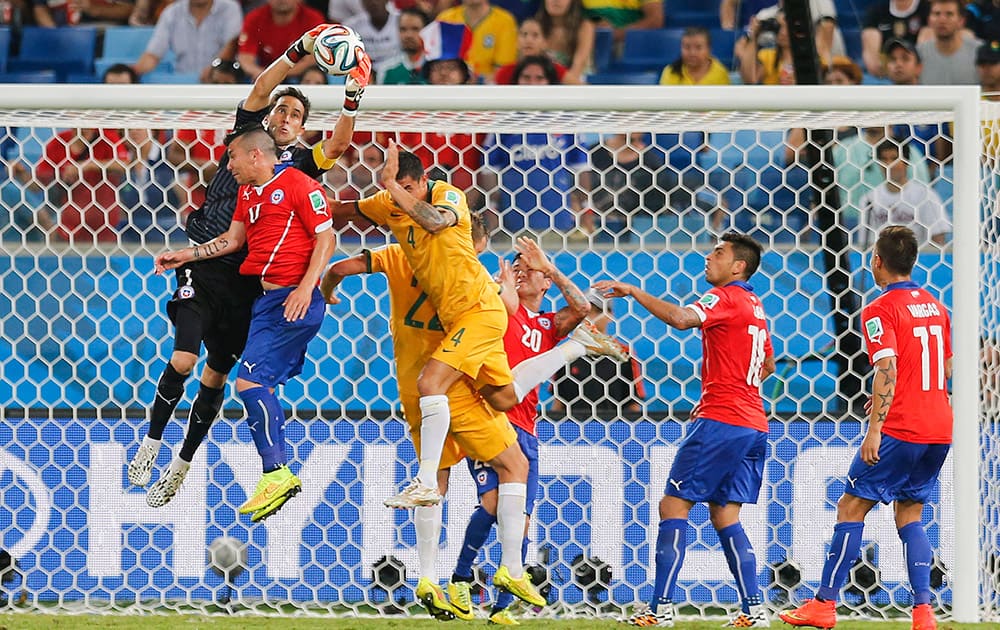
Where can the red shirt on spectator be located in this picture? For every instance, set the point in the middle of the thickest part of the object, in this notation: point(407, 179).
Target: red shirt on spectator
point(505, 74)
point(266, 40)
point(83, 182)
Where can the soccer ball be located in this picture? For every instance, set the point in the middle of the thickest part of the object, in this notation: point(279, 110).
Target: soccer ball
point(227, 557)
point(337, 49)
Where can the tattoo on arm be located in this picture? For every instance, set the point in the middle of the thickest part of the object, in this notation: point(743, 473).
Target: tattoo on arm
point(210, 249)
point(886, 390)
point(429, 217)
point(575, 299)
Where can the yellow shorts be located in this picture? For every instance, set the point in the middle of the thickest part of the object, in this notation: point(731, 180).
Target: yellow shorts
point(474, 346)
point(477, 430)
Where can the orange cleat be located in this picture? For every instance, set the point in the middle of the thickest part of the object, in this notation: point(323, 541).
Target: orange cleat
point(923, 618)
point(813, 613)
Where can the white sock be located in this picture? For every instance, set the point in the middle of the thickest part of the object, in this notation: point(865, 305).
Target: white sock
point(151, 443)
point(511, 499)
point(435, 419)
point(427, 522)
point(531, 373)
point(178, 465)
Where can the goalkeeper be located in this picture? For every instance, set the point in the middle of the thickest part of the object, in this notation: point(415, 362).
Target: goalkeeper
point(212, 303)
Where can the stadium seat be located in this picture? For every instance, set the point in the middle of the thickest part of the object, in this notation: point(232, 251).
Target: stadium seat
point(852, 42)
point(183, 78)
point(4, 48)
point(649, 49)
point(604, 47)
point(707, 18)
point(624, 78)
point(64, 49)
point(126, 42)
point(36, 76)
point(82, 77)
point(723, 42)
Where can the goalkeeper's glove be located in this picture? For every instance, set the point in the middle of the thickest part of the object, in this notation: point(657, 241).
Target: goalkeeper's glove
point(357, 80)
point(304, 45)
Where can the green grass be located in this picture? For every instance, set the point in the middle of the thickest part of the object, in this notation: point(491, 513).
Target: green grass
point(31, 621)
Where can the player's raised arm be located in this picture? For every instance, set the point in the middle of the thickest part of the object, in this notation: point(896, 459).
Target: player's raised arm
point(274, 74)
point(431, 218)
point(508, 286)
point(680, 317)
point(227, 243)
point(577, 307)
point(337, 272)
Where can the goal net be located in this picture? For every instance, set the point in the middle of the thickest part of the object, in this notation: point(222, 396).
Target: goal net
point(629, 183)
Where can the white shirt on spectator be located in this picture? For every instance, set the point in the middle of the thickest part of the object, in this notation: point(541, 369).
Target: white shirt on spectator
point(916, 206)
point(380, 44)
point(195, 45)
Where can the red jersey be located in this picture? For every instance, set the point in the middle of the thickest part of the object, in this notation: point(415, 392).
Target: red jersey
point(267, 41)
point(734, 345)
point(528, 335)
point(282, 218)
point(908, 323)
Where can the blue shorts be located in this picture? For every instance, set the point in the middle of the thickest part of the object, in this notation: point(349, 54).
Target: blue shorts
point(718, 463)
point(486, 478)
point(905, 472)
point(276, 348)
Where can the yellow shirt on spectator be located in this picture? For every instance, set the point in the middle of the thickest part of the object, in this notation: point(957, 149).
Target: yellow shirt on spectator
point(494, 38)
point(716, 75)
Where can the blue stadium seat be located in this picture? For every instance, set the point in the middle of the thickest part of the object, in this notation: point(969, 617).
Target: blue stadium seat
point(649, 49)
point(126, 42)
point(604, 46)
point(4, 47)
point(850, 13)
point(852, 42)
point(36, 76)
point(675, 18)
point(723, 43)
point(64, 49)
point(181, 78)
point(624, 78)
point(82, 77)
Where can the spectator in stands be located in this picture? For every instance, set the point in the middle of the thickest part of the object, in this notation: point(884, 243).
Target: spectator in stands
point(829, 39)
point(120, 74)
point(378, 26)
point(314, 75)
point(842, 71)
point(696, 65)
point(888, 19)
point(197, 32)
point(598, 387)
point(269, 30)
point(948, 58)
point(988, 68)
point(734, 15)
point(147, 12)
point(622, 185)
point(226, 72)
point(905, 67)
point(52, 13)
point(81, 170)
point(767, 66)
point(494, 36)
point(569, 37)
point(983, 19)
point(625, 15)
point(404, 67)
point(530, 43)
point(532, 177)
point(899, 200)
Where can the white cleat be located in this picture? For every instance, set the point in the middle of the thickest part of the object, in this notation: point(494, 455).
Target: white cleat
point(414, 495)
point(756, 618)
point(167, 486)
point(140, 469)
point(646, 618)
point(597, 342)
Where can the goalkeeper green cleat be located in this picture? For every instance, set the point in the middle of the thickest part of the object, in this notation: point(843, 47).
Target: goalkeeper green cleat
point(276, 486)
point(521, 588)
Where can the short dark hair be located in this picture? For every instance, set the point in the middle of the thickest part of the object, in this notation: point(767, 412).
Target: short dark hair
point(409, 166)
point(479, 227)
point(746, 249)
point(315, 70)
point(542, 61)
point(294, 93)
point(121, 68)
point(897, 247)
point(902, 149)
point(256, 135)
point(424, 18)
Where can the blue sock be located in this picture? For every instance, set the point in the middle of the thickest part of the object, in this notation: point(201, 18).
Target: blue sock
point(742, 562)
point(266, 420)
point(504, 598)
point(671, 544)
point(475, 536)
point(844, 550)
point(919, 557)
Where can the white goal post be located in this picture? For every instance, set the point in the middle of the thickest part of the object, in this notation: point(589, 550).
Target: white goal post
point(971, 577)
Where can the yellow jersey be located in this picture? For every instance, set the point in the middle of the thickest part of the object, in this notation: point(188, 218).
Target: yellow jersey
point(444, 264)
point(494, 38)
